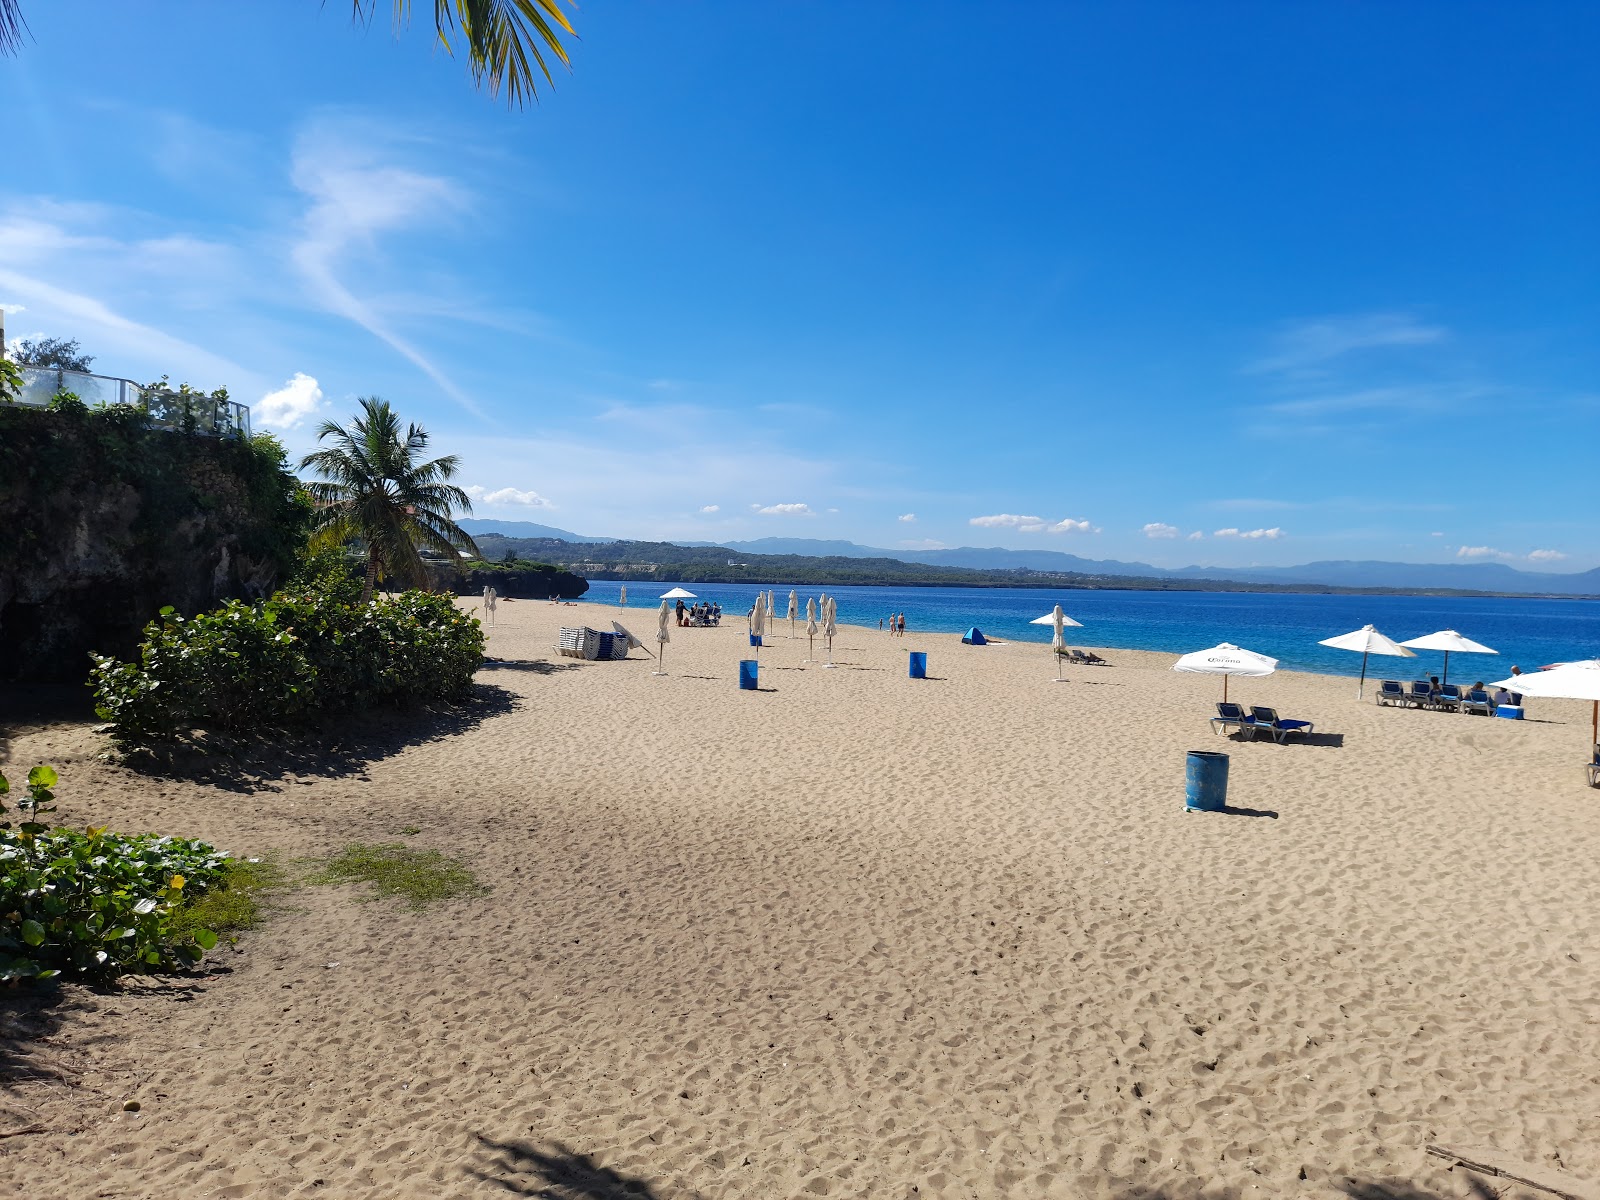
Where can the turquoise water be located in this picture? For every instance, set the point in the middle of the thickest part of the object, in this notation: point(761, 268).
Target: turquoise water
point(1527, 632)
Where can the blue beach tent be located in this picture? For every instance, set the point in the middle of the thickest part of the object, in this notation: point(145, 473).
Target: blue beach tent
point(974, 637)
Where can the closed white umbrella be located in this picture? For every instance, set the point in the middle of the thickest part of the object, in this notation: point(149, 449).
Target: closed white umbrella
point(1225, 660)
point(811, 628)
point(1058, 643)
point(793, 600)
point(1364, 641)
point(679, 593)
point(1564, 681)
point(758, 616)
point(829, 625)
point(1448, 640)
point(663, 618)
point(622, 597)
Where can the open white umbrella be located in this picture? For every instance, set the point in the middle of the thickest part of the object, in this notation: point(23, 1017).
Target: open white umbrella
point(663, 618)
point(1364, 641)
point(622, 597)
point(829, 625)
point(679, 593)
point(1225, 660)
point(793, 601)
point(811, 628)
point(1058, 643)
point(633, 642)
point(1448, 640)
point(1564, 681)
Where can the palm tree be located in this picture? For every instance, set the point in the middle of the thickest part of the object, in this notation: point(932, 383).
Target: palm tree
point(376, 487)
point(506, 40)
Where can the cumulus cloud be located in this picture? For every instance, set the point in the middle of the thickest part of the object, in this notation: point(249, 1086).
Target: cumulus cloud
point(1155, 529)
point(508, 495)
point(907, 517)
point(785, 510)
point(1195, 536)
point(1023, 524)
point(1270, 535)
point(1546, 556)
point(710, 508)
point(1481, 552)
point(289, 405)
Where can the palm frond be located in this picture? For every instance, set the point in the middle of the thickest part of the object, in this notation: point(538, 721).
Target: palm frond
point(12, 27)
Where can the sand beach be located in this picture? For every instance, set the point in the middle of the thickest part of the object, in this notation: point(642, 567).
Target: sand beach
point(852, 935)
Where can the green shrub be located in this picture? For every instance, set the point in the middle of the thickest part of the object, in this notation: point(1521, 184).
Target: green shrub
point(96, 904)
point(254, 669)
point(421, 876)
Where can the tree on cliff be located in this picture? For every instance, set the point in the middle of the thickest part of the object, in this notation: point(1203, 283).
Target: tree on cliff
point(376, 487)
point(506, 40)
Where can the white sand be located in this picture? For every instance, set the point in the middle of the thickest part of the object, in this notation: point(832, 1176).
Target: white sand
point(858, 935)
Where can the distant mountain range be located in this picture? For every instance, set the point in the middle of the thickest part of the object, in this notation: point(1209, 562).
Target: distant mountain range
point(1477, 577)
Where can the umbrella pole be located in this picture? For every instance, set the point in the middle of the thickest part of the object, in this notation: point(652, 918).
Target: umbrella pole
point(1362, 686)
point(1594, 729)
point(1224, 687)
point(1446, 667)
point(1056, 650)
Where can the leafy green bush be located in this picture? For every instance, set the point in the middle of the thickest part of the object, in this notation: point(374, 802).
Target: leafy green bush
point(94, 904)
point(252, 669)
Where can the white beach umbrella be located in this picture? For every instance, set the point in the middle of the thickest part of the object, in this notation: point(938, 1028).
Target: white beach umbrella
point(829, 625)
point(1225, 660)
point(1448, 640)
point(1564, 681)
point(758, 615)
point(679, 593)
point(633, 642)
point(1058, 643)
point(663, 619)
point(1364, 641)
point(793, 601)
point(622, 597)
point(811, 627)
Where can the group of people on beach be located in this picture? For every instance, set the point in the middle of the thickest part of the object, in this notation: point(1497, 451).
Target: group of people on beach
point(896, 626)
point(703, 613)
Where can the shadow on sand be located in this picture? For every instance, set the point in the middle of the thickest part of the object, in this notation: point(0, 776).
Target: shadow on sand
point(345, 747)
point(534, 666)
point(555, 1172)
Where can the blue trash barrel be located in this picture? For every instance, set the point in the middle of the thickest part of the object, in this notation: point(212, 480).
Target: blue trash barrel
point(919, 664)
point(1206, 781)
point(747, 674)
point(755, 639)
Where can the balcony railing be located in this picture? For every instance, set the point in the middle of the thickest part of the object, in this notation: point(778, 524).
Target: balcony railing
point(167, 410)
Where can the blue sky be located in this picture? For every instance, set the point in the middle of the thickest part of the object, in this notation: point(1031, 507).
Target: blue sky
point(1223, 283)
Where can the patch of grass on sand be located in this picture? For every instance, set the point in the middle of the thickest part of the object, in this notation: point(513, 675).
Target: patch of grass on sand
point(234, 902)
point(421, 876)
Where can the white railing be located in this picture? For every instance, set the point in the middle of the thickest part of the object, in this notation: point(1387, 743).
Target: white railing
point(167, 410)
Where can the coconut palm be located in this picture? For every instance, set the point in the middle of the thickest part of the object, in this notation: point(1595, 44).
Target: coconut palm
point(506, 40)
point(376, 487)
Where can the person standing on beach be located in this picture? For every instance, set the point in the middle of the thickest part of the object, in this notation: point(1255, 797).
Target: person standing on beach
point(902, 627)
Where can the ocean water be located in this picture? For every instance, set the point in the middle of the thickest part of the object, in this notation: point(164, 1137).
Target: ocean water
point(1287, 626)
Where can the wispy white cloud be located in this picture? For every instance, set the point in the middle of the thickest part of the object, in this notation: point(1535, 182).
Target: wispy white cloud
point(1026, 524)
point(285, 408)
point(1196, 536)
point(507, 496)
point(1270, 535)
point(922, 544)
point(1156, 529)
point(785, 510)
point(1481, 552)
point(1303, 346)
point(907, 517)
point(1545, 556)
point(710, 508)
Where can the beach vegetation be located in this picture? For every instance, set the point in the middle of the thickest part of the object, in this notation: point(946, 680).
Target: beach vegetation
point(256, 670)
point(234, 902)
point(95, 905)
point(376, 486)
point(421, 877)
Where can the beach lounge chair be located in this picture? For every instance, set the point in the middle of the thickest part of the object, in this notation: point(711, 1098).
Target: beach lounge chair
point(1421, 694)
point(1267, 719)
point(1390, 692)
point(1234, 715)
point(1594, 768)
point(1449, 698)
point(1089, 656)
point(1477, 701)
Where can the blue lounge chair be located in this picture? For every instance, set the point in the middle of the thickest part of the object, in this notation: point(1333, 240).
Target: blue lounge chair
point(1390, 692)
point(1234, 715)
point(1477, 701)
point(1267, 719)
point(1421, 693)
point(1594, 768)
point(1449, 698)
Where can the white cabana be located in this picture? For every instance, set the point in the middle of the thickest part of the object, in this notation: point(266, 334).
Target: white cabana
point(1225, 660)
point(1364, 641)
point(1564, 681)
point(1058, 642)
point(663, 619)
point(811, 628)
point(1448, 640)
point(679, 593)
